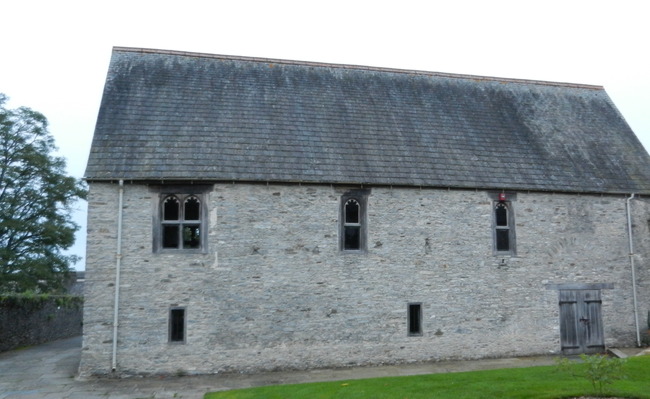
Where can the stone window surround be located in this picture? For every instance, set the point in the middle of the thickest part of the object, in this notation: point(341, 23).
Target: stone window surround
point(361, 197)
point(510, 198)
point(181, 191)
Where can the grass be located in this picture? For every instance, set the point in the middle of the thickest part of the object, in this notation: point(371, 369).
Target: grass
point(545, 382)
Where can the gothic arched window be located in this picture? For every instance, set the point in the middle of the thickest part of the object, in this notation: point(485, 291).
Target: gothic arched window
point(353, 220)
point(181, 223)
point(504, 228)
point(352, 225)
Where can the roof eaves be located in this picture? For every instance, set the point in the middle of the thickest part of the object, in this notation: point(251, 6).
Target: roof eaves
point(531, 189)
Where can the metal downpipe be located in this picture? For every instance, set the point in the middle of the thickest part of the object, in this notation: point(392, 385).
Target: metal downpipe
point(632, 268)
point(118, 264)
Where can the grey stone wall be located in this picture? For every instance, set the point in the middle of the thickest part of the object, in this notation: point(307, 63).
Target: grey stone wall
point(274, 292)
point(26, 323)
point(641, 234)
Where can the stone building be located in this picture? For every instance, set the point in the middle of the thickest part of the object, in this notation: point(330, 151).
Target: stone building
point(254, 214)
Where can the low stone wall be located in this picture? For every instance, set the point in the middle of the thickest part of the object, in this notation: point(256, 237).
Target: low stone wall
point(32, 321)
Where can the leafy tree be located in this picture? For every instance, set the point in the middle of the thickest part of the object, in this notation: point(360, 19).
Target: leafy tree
point(36, 198)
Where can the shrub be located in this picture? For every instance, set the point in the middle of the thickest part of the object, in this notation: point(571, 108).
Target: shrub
point(599, 370)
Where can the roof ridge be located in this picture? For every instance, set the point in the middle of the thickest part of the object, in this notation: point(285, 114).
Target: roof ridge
point(352, 66)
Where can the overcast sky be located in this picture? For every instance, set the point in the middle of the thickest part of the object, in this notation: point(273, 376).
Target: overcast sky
point(55, 54)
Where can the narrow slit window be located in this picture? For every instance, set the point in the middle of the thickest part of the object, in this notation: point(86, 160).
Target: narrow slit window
point(352, 225)
point(177, 325)
point(414, 319)
point(503, 228)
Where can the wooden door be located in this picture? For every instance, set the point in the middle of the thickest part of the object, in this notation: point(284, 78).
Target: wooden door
point(581, 327)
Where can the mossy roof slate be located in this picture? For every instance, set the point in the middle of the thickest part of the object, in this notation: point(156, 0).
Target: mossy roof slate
point(183, 116)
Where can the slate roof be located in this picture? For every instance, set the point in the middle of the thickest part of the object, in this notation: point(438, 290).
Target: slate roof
point(184, 116)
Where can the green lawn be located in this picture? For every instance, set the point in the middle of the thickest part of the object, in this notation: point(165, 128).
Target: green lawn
point(532, 382)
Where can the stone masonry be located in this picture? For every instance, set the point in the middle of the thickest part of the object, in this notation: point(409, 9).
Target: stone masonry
point(274, 291)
